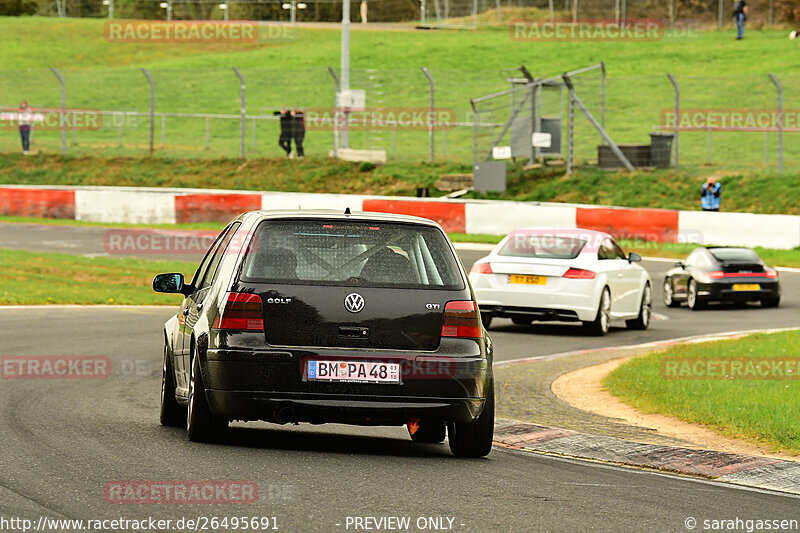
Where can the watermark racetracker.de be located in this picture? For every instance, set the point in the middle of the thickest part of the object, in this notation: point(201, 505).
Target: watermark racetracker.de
point(730, 119)
point(75, 367)
point(734, 368)
point(599, 30)
point(379, 118)
point(180, 492)
point(196, 31)
point(51, 119)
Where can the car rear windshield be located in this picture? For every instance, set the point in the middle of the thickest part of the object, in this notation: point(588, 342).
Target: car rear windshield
point(735, 254)
point(542, 246)
point(354, 253)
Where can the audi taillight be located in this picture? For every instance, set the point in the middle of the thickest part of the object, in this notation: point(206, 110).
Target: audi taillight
point(579, 273)
point(716, 274)
point(242, 312)
point(482, 268)
point(461, 320)
point(772, 273)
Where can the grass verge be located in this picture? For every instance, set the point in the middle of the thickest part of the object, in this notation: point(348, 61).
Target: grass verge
point(759, 410)
point(743, 191)
point(28, 278)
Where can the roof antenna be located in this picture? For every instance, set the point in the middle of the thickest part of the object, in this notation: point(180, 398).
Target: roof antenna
point(346, 210)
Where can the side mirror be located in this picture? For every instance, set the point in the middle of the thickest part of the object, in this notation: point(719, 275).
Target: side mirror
point(169, 283)
point(680, 264)
point(633, 257)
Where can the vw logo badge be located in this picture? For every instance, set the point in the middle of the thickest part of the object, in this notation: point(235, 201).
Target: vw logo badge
point(354, 302)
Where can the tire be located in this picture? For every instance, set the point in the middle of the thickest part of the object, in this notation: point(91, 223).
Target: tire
point(669, 294)
point(486, 320)
point(474, 439)
point(430, 432)
point(599, 326)
point(521, 321)
point(774, 301)
point(642, 321)
point(201, 425)
point(695, 302)
point(173, 414)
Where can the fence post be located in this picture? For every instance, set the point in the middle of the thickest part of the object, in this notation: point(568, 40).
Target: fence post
point(63, 110)
point(574, 100)
point(575, 11)
point(152, 106)
point(780, 121)
point(552, 11)
point(432, 113)
point(242, 89)
point(603, 96)
point(163, 130)
point(677, 115)
point(771, 12)
point(721, 4)
point(474, 135)
point(570, 128)
point(335, 113)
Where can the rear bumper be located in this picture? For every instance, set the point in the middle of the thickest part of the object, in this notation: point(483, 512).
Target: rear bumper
point(534, 313)
point(271, 386)
point(724, 291)
point(560, 299)
point(344, 409)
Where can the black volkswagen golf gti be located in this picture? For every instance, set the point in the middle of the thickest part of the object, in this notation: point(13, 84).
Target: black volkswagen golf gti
point(321, 316)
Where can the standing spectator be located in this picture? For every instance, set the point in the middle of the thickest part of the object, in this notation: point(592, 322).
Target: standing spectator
point(25, 126)
point(298, 131)
point(285, 140)
point(739, 16)
point(709, 195)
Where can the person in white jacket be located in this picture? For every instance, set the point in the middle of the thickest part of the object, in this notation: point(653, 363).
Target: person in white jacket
point(25, 120)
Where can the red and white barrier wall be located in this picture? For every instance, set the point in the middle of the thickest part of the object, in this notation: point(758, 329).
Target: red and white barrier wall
point(167, 206)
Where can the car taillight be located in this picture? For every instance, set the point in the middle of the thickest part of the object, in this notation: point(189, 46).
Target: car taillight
point(772, 273)
point(242, 311)
point(482, 268)
point(579, 273)
point(716, 274)
point(461, 320)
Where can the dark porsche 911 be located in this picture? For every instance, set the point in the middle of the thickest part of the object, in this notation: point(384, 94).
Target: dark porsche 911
point(319, 316)
point(721, 274)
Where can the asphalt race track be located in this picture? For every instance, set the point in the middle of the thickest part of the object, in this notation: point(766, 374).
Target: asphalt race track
point(62, 441)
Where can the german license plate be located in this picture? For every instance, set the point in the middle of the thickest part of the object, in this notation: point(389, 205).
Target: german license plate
point(746, 287)
point(527, 280)
point(354, 371)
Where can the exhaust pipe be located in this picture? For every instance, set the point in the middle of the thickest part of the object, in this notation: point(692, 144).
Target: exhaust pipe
point(285, 414)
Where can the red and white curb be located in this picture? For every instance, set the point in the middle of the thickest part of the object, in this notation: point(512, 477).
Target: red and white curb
point(494, 217)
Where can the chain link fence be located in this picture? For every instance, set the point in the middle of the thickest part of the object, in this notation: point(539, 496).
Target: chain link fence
point(197, 113)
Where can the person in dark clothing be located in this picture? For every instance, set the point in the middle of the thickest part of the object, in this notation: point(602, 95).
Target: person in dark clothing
point(298, 131)
point(739, 16)
point(25, 126)
point(285, 140)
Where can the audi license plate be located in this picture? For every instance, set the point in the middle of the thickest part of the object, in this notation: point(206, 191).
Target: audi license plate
point(527, 280)
point(354, 371)
point(746, 287)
